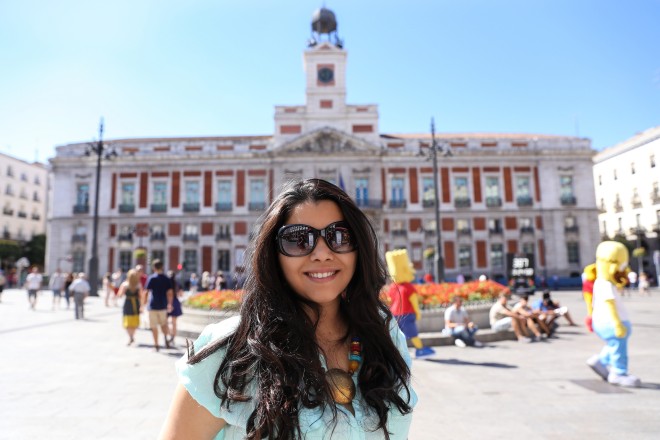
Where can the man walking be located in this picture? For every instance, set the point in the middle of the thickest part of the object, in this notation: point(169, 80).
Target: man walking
point(80, 288)
point(33, 284)
point(56, 284)
point(160, 302)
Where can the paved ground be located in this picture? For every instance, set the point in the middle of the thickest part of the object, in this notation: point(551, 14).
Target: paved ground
point(67, 379)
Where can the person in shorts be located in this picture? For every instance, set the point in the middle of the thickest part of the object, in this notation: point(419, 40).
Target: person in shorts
point(160, 302)
point(503, 319)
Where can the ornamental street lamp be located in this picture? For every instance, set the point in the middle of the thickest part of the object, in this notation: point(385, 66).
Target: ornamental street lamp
point(434, 150)
point(99, 150)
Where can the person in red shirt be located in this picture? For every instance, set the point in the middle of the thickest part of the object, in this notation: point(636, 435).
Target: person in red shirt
point(404, 302)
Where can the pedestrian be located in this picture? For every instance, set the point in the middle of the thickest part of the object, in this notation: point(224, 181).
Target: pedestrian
point(67, 284)
point(643, 284)
point(458, 325)
point(131, 289)
point(56, 284)
point(3, 282)
point(33, 283)
point(314, 352)
point(176, 311)
point(193, 283)
point(159, 288)
point(80, 289)
point(220, 281)
point(108, 289)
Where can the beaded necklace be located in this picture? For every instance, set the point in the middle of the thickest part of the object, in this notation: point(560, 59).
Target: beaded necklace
point(341, 383)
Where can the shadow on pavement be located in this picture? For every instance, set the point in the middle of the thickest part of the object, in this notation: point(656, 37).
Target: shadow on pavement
point(476, 364)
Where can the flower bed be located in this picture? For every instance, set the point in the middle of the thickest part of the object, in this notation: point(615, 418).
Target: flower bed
point(434, 295)
point(215, 300)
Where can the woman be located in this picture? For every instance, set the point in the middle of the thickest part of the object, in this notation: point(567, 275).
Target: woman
point(131, 290)
point(67, 294)
point(176, 305)
point(314, 353)
point(108, 289)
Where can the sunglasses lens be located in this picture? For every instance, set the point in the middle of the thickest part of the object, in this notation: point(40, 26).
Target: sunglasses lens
point(339, 238)
point(297, 240)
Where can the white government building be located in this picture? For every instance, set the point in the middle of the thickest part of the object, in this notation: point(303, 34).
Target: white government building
point(627, 182)
point(23, 197)
point(194, 200)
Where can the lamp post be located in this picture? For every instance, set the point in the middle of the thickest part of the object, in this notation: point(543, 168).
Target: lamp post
point(99, 149)
point(434, 150)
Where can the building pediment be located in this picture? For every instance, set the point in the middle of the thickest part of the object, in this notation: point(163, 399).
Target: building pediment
point(326, 141)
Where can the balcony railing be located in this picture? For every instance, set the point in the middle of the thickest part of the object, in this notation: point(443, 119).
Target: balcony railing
point(80, 209)
point(618, 207)
point(369, 203)
point(159, 207)
point(157, 236)
point(429, 233)
point(220, 236)
point(36, 217)
point(79, 238)
point(125, 208)
point(127, 236)
point(398, 204)
point(573, 228)
point(655, 197)
point(493, 202)
point(22, 214)
point(464, 231)
point(495, 231)
point(256, 206)
point(223, 206)
point(399, 233)
point(428, 203)
point(526, 229)
point(191, 207)
point(602, 208)
point(524, 201)
point(636, 203)
point(191, 237)
point(568, 200)
point(8, 211)
point(462, 202)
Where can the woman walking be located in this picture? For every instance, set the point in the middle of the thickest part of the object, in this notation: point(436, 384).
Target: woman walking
point(131, 311)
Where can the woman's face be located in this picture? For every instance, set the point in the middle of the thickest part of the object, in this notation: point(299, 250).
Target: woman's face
point(322, 275)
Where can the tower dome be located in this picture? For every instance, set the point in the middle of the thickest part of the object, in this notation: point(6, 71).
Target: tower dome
point(324, 21)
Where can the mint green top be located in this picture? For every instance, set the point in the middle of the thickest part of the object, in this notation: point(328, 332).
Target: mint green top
point(315, 424)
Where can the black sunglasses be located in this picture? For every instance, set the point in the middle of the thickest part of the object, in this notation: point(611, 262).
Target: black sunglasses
point(300, 240)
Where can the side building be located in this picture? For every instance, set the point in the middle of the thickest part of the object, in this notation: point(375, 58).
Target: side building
point(627, 182)
point(194, 201)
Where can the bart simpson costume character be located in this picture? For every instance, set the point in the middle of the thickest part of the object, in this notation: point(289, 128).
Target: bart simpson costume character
point(404, 299)
point(609, 317)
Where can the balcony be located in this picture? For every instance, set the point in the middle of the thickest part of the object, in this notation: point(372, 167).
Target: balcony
point(655, 197)
point(429, 233)
point(36, 217)
point(526, 229)
point(80, 209)
point(22, 214)
point(126, 236)
point(464, 231)
point(8, 211)
point(493, 202)
point(79, 238)
point(369, 203)
point(191, 207)
point(158, 207)
point(222, 236)
point(618, 207)
point(125, 208)
point(636, 203)
point(6, 235)
point(399, 233)
point(398, 204)
point(462, 202)
point(524, 201)
point(191, 237)
point(602, 209)
point(571, 229)
point(428, 203)
point(637, 230)
point(568, 200)
point(257, 206)
point(495, 231)
point(223, 206)
point(157, 236)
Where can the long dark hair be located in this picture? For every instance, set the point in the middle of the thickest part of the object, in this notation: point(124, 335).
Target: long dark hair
point(274, 343)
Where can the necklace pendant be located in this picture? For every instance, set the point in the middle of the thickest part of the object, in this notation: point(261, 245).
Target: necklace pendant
point(341, 385)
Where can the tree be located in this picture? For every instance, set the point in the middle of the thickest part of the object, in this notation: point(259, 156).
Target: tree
point(10, 251)
point(35, 250)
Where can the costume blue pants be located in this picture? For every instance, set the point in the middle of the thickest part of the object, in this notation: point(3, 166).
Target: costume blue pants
point(615, 353)
point(407, 324)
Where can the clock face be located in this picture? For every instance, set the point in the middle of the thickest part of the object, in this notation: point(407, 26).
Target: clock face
point(326, 75)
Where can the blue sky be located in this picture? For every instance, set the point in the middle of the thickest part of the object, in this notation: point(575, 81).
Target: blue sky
point(213, 68)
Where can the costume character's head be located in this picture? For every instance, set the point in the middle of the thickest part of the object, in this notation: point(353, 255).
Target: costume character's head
point(611, 257)
point(399, 266)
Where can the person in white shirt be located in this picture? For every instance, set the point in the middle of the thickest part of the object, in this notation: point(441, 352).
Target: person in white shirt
point(80, 288)
point(56, 284)
point(33, 284)
point(458, 325)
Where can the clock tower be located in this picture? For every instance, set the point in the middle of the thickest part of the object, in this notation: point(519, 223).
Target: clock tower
point(325, 93)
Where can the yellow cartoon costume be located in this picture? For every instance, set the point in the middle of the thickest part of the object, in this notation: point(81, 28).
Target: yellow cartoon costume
point(404, 301)
point(609, 317)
